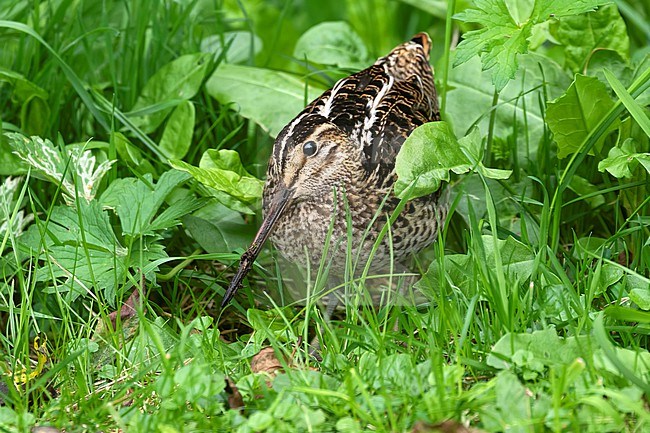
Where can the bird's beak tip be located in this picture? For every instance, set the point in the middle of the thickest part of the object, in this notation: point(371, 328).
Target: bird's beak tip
point(278, 204)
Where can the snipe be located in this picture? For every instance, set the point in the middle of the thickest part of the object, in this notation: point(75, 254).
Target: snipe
point(336, 160)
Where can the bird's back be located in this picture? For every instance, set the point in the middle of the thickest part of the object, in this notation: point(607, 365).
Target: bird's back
point(381, 105)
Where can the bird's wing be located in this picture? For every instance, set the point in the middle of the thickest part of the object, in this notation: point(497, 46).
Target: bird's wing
point(381, 105)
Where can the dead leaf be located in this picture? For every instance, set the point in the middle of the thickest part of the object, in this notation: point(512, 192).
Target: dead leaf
point(235, 400)
point(128, 317)
point(45, 429)
point(128, 310)
point(265, 362)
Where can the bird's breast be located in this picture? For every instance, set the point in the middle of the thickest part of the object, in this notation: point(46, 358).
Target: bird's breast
point(302, 232)
point(309, 228)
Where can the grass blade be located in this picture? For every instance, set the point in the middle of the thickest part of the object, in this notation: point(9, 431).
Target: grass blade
point(630, 104)
point(72, 77)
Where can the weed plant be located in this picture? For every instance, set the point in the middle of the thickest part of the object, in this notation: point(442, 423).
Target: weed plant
point(133, 146)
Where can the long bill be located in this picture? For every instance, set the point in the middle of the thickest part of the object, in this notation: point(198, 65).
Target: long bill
point(278, 204)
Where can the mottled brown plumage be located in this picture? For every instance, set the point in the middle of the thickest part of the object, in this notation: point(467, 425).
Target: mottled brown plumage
point(338, 156)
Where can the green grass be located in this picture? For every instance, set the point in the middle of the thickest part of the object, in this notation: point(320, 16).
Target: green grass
point(532, 308)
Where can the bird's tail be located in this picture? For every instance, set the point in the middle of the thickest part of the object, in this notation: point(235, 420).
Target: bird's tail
point(424, 41)
point(409, 62)
point(409, 59)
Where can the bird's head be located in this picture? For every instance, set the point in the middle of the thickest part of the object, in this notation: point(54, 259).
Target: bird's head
point(311, 156)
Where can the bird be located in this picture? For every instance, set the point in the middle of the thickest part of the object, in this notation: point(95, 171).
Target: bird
point(332, 170)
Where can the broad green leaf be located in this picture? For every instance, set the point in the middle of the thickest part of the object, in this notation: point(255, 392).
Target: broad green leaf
point(332, 43)
point(431, 152)
point(218, 228)
point(503, 35)
point(177, 136)
point(610, 60)
point(581, 35)
point(229, 201)
point(520, 10)
point(269, 98)
point(633, 281)
point(171, 216)
point(35, 116)
point(512, 406)
point(506, 197)
point(147, 255)
point(91, 225)
point(457, 270)
point(268, 322)
point(80, 249)
point(64, 227)
point(493, 173)
point(400, 372)
point(611, 274)
point(348, 425)
point(633, 365)
point(513, 402)
point(641, 297)
point(177, 81)
point(622, 161)
point(516, 257)
point(470, 95)
point(137, 201)
point(583, 188)
point(472, 146)
point(239, 45)
point(222, 170)
point(224, 159)
point(575, 114)
point(627, 314)
point(23, 89)
point(545, 346)
point(83, 274)
point(259, 421)
point(31, 100)
point(588, 247)
point(426, 158)
point(546, 9)
point(501, 58)
point(10, 164)
point(497, 25)
point(131, 155)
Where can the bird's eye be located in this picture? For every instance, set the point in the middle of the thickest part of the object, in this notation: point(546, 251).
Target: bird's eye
point(309, 148)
